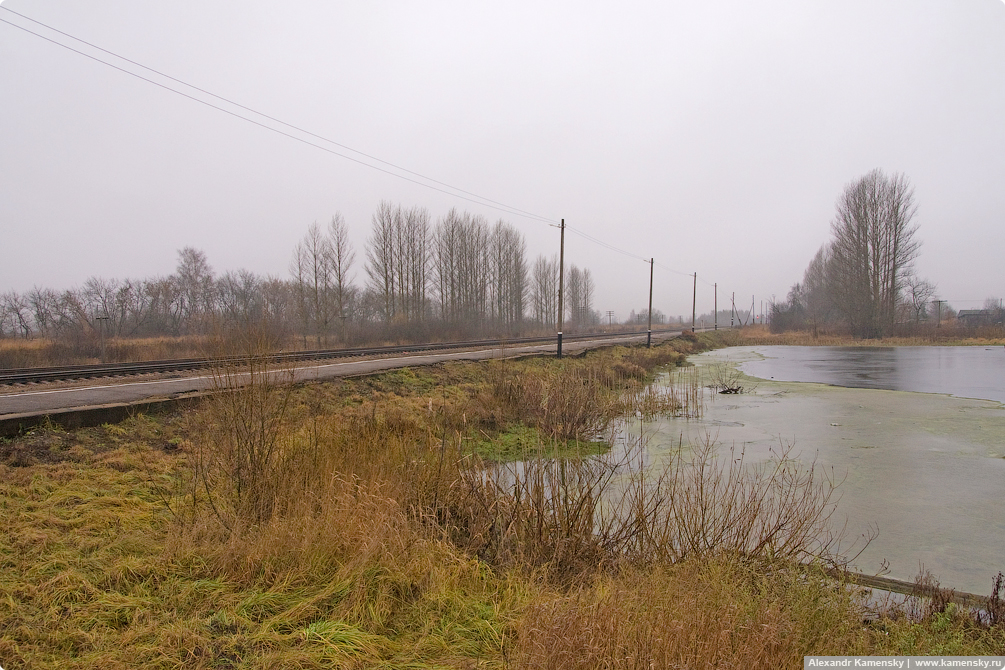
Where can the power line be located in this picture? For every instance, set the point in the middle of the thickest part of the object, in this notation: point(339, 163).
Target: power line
point(453, 192)
point(677, 272)
point(280, 121)
point(474, 197)
point(605, 244)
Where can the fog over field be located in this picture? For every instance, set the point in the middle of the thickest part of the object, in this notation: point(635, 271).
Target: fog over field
point(715, 137)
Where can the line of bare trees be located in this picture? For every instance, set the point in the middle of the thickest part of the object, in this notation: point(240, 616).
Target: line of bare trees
point(191, 301)
point(863, 280)
point(457, 276)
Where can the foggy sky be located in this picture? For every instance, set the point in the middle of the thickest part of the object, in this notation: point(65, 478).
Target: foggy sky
point(713, 136)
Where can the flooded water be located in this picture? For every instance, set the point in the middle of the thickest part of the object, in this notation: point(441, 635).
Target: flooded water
point(923, 468)
point(967, 372)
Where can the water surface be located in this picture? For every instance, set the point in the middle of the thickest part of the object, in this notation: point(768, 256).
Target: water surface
point(924, 468)
point(967, 372)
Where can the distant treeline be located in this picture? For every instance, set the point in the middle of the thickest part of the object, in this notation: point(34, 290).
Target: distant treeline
point(863, 280)
point(459, 277)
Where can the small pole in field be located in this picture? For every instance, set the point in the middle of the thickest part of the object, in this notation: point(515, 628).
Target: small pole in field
point(561, 292)
point(694, 300)
point(649, 336)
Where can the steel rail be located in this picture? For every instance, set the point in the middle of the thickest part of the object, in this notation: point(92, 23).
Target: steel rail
point(71, 372)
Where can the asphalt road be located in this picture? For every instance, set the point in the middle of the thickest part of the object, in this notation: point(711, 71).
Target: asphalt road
point(27, 402)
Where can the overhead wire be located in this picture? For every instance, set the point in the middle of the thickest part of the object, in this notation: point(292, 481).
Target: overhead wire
point(611, 247)
point(453, 191)
point(277, 120)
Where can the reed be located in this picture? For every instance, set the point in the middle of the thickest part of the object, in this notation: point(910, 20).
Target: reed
point(677, 393)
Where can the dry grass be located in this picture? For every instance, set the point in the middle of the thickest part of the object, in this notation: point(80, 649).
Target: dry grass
point(97, 573)
point(947, 336)
point(388, 544)
point(18, 353)
point(720, 613)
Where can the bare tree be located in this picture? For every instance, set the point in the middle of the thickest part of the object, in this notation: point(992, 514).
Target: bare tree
point(579, 291)
point(586, 306)
point(544, 291)
point(15, 317)
point(995, 309)
point(918, 293)
point(135, 301)
point(574, 296)
point(508, 268)
point(195, 283)
point(312, 271)
point(815, 291)
point(166, 305)
point(398, 260)
point(99, 301)
point(380, 257)
point(461, 253)
point(240, 300)
point(341, 260)
point(44, 304)
point(412, 242)
point(872, 250)
point(278, 303)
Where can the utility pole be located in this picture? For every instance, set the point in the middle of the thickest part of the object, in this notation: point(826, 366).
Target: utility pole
point(610, 317)
point(649, 336)
point(715, 307)
point(561, 290)
point(694, 299)
point(732, 311)
point(101, 324)
point(938, 322)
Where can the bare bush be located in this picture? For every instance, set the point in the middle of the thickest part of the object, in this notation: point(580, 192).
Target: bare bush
point(570, 516)
point(243, 446)
point(714, 503)
point(726, 378)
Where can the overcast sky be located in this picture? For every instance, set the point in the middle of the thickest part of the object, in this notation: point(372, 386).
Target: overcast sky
point(713, 136)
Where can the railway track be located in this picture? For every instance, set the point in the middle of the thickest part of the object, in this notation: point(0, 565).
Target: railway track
point(72, 372)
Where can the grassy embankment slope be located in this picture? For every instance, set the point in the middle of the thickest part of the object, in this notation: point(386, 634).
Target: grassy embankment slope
point(349, 525)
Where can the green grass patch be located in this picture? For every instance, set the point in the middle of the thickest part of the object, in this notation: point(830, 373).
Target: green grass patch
point(519, 443)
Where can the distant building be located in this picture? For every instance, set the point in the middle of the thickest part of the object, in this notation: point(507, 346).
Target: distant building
point(978, 317)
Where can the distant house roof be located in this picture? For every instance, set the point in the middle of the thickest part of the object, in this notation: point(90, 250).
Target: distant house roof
point(976, 316)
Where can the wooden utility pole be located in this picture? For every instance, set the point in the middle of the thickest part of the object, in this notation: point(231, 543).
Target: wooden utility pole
point(715, 307)
point(694, 300)
point(938, 322)
point(649, 336)
point(102, 320)
point(561, 290)
point(732, 311)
